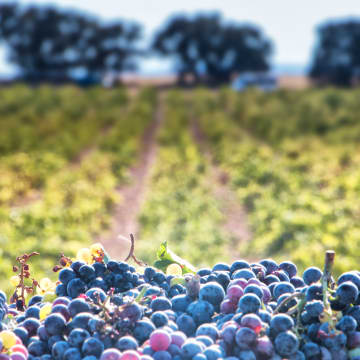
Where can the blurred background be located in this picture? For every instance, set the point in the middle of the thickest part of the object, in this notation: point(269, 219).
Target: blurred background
point(227, 130)
point(85, 40)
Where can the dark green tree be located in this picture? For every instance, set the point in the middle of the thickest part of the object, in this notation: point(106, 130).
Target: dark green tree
point(48, 43)
point(209, 48)
point(337, 54)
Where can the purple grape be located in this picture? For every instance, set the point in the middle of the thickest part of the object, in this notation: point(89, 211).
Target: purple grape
point(17, 356)
point(280, 323)
point(206, 340)
point(271, 279)
point(312, 275)
point(208, 330)
point(270, 265)
point(254, 289)
point(186, 324)
point(286, 344)
point(77, 306)
point(245, 338)
point(92, 346)
point(162, 355)
point(213, 352)
point(311, 350)
point(63, 310)
point(347, 293)
point(239, 282)
point(55, 324)
point(283, 287)
point(353, 339)
point(77, 337)
point(267, 294)
point(201, 311)
point(252, 321)
point(32, 325)
point(174, 350)
point(61, 300)
point(347, 324)
point(234, 292)
point(111, 354)
point(132, 311)
point(228, 306)
point(246, 355)
point(246, 274)
point(190, 348)
point(213, 293)
point(264, 347)
point(238, 265)
point(254, 282)
point(249, 303)
point(178, 338)
point(126, 343)
point(228, 334)
point(130, 355)
point(160, 303)
point(289, 267)
point(160, 340)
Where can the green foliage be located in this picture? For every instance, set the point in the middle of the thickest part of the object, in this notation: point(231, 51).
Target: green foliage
point(293, 160)
point(167, 257)
point(180, 207)
point(294, 163)
point(75, 199)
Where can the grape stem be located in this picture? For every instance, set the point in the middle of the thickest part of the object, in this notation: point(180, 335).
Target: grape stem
point(131, 253)
point(327, 281)
point(288, 299)
point(298, 308)
point(23, 274)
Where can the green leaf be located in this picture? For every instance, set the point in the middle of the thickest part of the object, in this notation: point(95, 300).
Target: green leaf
point(162, 264)
point(141, 294)
point(49, 297)
point(167, 257)
point(177, 280)
point(106, 257)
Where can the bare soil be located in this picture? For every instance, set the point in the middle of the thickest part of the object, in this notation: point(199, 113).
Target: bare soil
point(236, 222)
point(117, 240)
point(27, 200)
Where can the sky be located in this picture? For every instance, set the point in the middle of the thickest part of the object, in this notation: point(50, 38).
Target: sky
point(291, 24)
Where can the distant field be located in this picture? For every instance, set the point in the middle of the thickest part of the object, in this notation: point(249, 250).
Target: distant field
point(297, 82)
point(284, 81)
point(219, 176)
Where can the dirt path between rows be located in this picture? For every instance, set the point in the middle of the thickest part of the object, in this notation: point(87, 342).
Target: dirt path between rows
point(236, 222)
point(117, 240)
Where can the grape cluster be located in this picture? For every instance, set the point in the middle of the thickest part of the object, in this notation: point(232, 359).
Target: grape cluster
point(80, 277)
point(241, 311)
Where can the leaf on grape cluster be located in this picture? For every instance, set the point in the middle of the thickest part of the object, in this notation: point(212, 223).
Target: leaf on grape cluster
point(167, 257)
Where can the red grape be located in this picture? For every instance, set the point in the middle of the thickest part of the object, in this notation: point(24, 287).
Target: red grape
point(111, 354)
point(160, 340)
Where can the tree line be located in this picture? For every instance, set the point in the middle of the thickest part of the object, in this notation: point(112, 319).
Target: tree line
point(52, 44)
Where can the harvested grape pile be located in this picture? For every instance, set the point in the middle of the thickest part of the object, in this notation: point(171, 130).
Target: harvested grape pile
point(105, 309)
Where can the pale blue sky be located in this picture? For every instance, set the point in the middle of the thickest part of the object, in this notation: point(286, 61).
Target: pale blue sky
point(290, 24)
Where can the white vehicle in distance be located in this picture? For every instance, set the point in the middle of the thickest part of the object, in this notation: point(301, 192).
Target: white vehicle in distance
point(263, 81)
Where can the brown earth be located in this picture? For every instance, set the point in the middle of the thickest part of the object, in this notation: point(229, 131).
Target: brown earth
point(136, 82)
point(117, 240)
point(294, 82)
point(236, 223)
